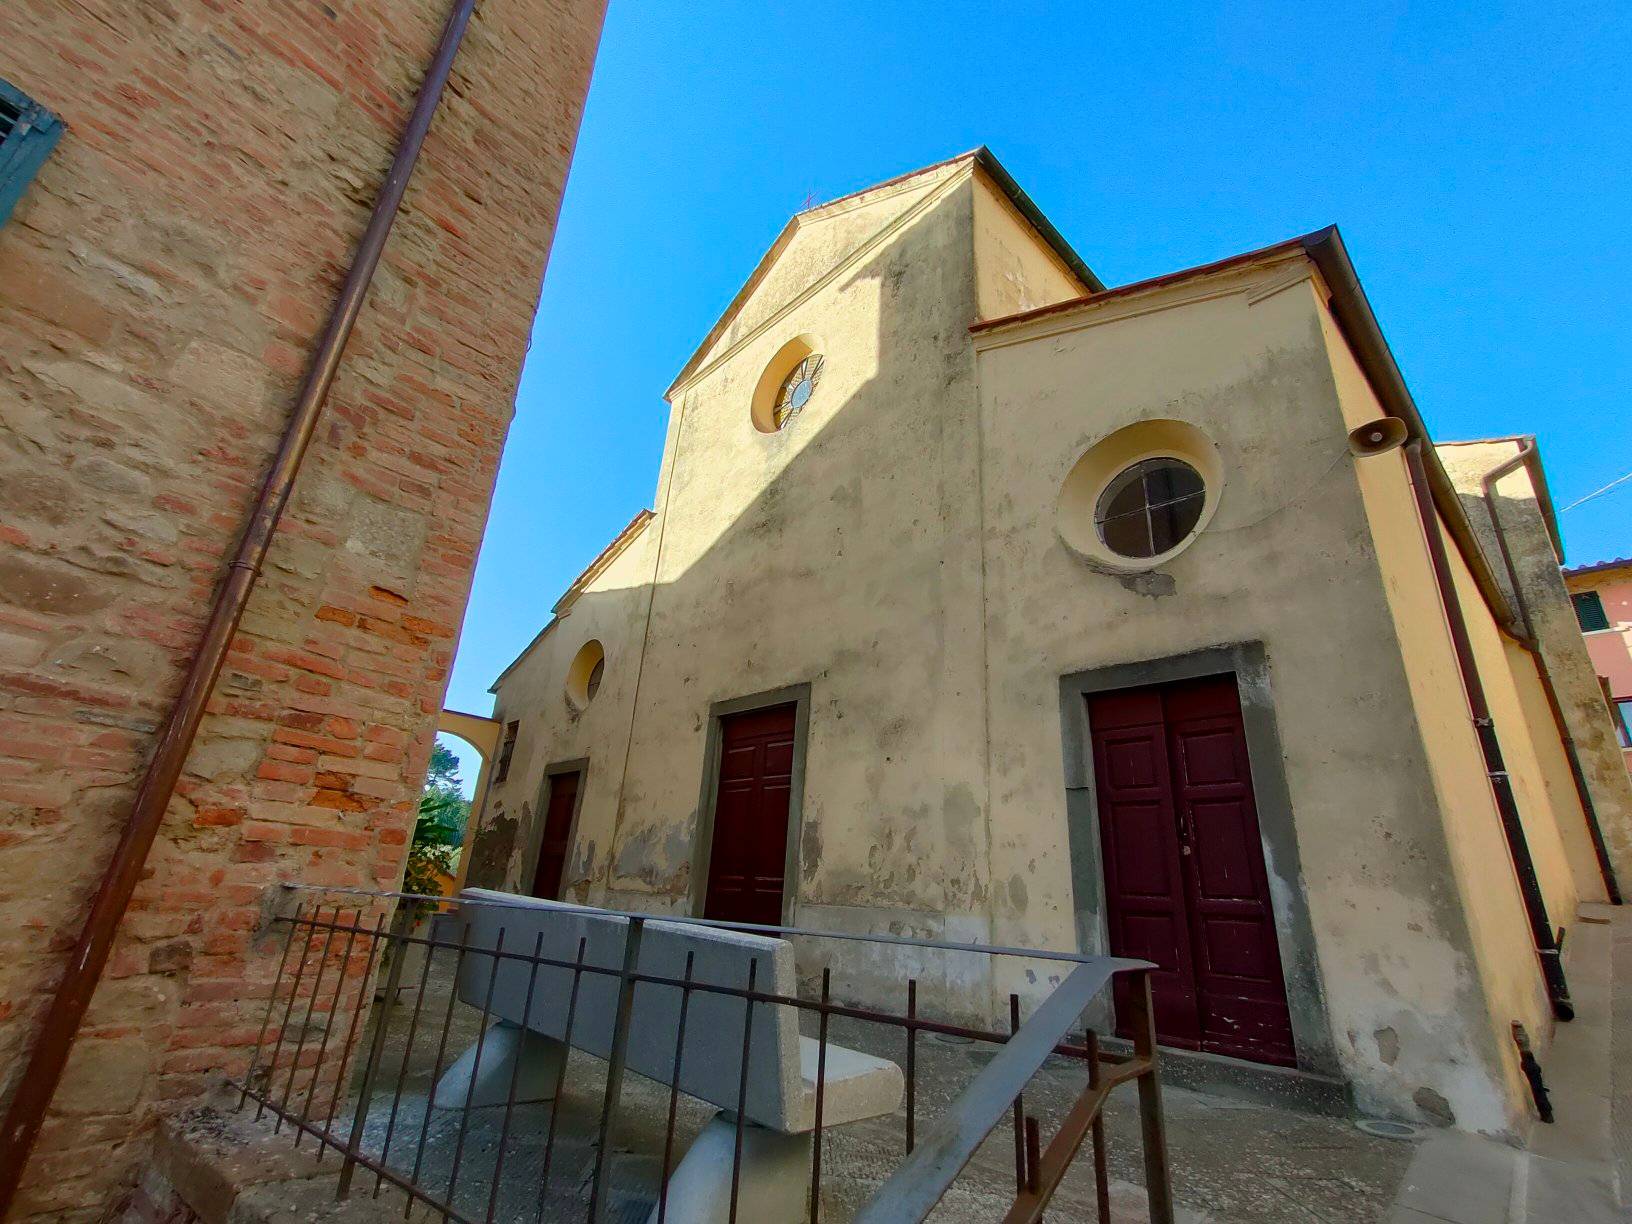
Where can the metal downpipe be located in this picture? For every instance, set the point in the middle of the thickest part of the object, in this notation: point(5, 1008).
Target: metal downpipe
point(1535, 905)
point(1606, 869)
point(38, 1082)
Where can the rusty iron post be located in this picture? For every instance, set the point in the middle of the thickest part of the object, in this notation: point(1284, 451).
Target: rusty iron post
point(1152, 1125)
point(617, 1056)
point(376, 1049)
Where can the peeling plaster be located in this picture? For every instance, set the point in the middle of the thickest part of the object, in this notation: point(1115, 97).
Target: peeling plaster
point(1153, 584)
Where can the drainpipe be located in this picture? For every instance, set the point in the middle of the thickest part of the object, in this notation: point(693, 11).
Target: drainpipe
point(38, 1081)
point(1527, 458)
point(1535, 906)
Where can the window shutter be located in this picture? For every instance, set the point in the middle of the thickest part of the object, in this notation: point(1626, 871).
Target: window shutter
point(27, 134)
point(506, 751)
point(1589, 611)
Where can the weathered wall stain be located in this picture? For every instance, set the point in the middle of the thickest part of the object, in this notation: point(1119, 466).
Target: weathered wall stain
point(897, 549)
point(491, 851)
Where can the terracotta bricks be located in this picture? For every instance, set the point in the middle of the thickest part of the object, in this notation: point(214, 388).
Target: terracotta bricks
point(161, 283)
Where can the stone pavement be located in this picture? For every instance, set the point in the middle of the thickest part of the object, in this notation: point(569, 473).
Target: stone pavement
point(1575, 1169)
point(1234, 1161)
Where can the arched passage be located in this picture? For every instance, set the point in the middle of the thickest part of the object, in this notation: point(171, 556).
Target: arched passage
point(482, 734)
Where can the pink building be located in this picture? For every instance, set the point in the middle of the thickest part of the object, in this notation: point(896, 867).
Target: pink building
point(1602, 594)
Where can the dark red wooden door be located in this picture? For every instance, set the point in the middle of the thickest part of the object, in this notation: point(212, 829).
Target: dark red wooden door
point(1184, 868)
point(747, 862)
point(552, 850)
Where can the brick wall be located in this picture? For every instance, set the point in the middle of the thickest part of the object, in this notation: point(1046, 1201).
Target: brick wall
point(161, 285)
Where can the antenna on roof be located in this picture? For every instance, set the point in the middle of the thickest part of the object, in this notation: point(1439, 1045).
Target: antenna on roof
point(810, 202)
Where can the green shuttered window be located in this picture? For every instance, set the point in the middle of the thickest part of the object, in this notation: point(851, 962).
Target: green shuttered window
point(1589, 611)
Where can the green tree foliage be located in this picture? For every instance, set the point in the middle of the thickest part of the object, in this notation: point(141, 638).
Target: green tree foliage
point(439, 827)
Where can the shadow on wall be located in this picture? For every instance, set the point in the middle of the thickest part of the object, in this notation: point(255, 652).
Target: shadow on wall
point(844, 552)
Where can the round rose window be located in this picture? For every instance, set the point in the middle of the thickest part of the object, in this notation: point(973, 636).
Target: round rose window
point(798, 385)
point(1150, 508)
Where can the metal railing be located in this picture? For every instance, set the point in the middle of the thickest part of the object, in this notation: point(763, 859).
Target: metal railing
point(341, 957)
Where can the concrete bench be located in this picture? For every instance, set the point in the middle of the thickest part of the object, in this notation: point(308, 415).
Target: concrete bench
point(781, 1099)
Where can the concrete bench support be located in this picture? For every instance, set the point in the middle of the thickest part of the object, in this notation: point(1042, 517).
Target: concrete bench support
point(504, 1045)
point(530, 1038)
point(773, 1184)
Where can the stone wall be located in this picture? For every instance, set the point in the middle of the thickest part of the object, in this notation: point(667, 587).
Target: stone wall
point(162, 284)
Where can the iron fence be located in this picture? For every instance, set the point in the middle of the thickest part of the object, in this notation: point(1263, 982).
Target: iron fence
point(339, 958)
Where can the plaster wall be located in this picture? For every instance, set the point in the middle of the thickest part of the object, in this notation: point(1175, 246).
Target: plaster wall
point(1572, 668)
point(893, 557)
point(840, 553)
point(1611, 652)
point(1576, 861)
point(1013, 271)
point(1289, 561)
point(1610, 649)
point(1614, 587)
point(1494, 969)
point(1510, 688)
point(812, 251)
point(484, 735)
point(553, 730)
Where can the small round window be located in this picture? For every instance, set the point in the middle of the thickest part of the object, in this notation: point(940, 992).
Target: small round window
point(798, 385)
point(584, 674)
point(1150, 508)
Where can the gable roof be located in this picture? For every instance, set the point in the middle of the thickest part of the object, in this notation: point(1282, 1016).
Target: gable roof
point(590, 572)
point(1598, 567)
point(603, 559)
point(981, 157)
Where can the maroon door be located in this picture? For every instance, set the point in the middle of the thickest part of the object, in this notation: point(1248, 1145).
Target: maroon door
point(1185, 882)
point(552, 850)
point(748, 859)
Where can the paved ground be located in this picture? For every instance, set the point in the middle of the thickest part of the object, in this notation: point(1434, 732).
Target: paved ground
point(1233, 1161)
point(1575, 1169)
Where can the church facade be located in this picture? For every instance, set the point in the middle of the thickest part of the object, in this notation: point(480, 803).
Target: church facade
point(985, 603)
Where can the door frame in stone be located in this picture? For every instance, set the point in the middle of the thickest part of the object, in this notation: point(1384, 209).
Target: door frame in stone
point(541, 812)
point(1294, 929)
point(702, 847)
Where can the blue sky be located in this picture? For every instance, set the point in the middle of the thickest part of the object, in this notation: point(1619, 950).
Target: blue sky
point(1474, 156)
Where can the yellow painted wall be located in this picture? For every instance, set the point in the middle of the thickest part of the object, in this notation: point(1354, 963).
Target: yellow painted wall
point(1502, 666)
point(1584, 880)
point(841, 552)
point(1013, 271)
point(1287, 560)
point(533, 693)
point(1503, 965)
point(1552, 620)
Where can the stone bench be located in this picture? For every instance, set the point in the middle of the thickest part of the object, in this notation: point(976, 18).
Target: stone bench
point(780, 1105)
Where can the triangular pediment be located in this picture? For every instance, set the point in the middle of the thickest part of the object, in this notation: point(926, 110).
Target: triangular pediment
point(812, 247)
point(818, 244)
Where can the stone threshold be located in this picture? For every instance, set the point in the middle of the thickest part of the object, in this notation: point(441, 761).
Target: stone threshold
point(1289, 1088)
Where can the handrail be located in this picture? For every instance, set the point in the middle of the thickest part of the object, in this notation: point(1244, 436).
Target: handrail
point(948, 1144)
point(486, 896)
